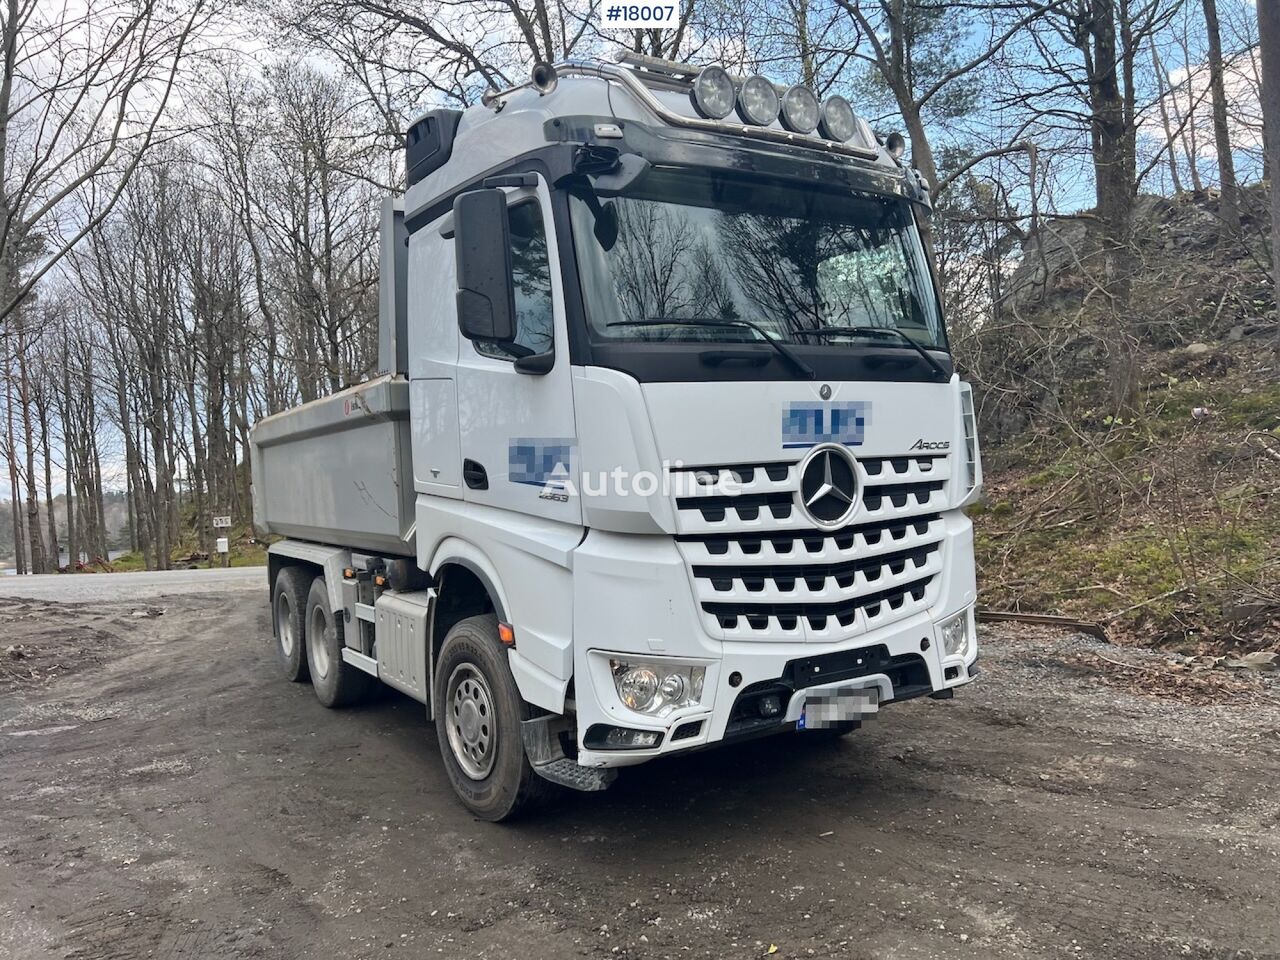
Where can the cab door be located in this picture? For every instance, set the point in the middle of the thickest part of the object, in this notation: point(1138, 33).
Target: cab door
point(517, 431)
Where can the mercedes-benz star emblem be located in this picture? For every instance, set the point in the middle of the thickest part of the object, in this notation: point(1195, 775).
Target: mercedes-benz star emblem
point(829, 485)
point(825, 391)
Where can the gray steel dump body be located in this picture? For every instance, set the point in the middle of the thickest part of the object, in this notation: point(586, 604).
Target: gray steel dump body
point(339, 469)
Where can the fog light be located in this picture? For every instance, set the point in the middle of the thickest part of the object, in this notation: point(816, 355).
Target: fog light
point(770, 706)
point(604, 737)
point(955, 635)
point(620, 737)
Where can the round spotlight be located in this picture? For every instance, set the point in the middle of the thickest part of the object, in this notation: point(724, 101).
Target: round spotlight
point(713, 93)
point(758, 101)
point(800, 110)
point(838, 122)
point(896, 144)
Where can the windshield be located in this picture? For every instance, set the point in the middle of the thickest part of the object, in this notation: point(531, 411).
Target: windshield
point(752, 259)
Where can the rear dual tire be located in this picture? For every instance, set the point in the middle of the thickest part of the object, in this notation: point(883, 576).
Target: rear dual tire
point(289, 615)
point(336, 682)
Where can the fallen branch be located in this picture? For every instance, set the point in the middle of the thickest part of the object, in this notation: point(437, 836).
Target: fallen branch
point(1045, 619)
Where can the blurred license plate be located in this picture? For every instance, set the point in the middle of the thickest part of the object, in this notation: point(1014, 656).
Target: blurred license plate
point(834, 707)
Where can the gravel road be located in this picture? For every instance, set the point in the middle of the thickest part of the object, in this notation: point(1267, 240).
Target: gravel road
point(133, 586)
point(166, 794)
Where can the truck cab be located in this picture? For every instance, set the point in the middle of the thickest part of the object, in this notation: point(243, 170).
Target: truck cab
point(667, 451)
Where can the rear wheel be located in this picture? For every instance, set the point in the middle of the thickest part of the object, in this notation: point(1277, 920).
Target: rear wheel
point(337, 683)
point(289, 609)
point(478, 712)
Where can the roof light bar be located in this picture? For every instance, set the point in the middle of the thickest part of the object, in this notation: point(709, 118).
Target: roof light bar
point(715, 93)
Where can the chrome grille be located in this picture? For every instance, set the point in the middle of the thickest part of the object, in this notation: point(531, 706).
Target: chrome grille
point(763, 570)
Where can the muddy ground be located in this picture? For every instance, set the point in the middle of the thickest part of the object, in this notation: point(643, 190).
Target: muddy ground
point(164, 794)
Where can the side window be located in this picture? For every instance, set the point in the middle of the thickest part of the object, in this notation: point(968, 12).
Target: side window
point(532, 274)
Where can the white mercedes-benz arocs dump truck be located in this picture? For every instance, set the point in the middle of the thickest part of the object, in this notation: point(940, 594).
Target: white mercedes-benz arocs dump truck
point(667, 450)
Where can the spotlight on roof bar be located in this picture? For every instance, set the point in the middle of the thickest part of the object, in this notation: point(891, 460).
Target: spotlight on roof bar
point(713, 93)
point(758, 101)
point(896, 144)
point(838, 122)
point(800, 110)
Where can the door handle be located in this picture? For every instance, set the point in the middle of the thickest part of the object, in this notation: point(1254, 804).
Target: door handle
point(475, 476)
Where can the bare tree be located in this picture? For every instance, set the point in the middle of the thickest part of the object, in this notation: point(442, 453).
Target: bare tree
point(1269, 43)
point(1221, 132)
point(914, 46)
point(83, 88)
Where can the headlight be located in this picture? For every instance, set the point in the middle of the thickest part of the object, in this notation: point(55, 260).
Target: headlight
point(955, 635)
point(800, 110)
point(713, 93)
point(655, 688)
point(758, 101)
point(838, 122)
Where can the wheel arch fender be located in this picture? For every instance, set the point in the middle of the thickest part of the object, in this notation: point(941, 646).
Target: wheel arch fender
point(329, 561)
point(460, 553)
point(536, 685)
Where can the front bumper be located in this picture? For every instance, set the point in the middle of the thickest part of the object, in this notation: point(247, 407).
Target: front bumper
point(632, 594)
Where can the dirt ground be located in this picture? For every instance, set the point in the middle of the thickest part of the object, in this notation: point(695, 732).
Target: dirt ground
point(164, 794)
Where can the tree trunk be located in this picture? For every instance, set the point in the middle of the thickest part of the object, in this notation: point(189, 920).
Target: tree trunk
point(1230, 206)
point(1161, 94)
point(1111, 141)
point(11, 454)
point(1269, 44)
point(39, 563)
point(50, 518)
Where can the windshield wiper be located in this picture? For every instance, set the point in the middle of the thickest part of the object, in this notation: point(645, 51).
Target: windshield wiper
point(876, 332)
point(795, 362)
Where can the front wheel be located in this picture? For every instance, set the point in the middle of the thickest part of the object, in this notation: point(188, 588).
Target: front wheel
point(478, 712)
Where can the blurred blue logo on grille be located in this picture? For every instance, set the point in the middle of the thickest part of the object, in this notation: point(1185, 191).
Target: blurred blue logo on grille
point(807, 424)
point(540, 461)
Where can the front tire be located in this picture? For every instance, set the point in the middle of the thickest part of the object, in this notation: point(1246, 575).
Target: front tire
point(289, 618)
point(336, 682)
point(478, 712)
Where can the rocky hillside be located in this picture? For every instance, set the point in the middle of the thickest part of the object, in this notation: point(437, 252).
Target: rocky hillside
point(1163, 525)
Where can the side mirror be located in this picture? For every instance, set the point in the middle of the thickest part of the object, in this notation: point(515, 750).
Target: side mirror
point(482, 246)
